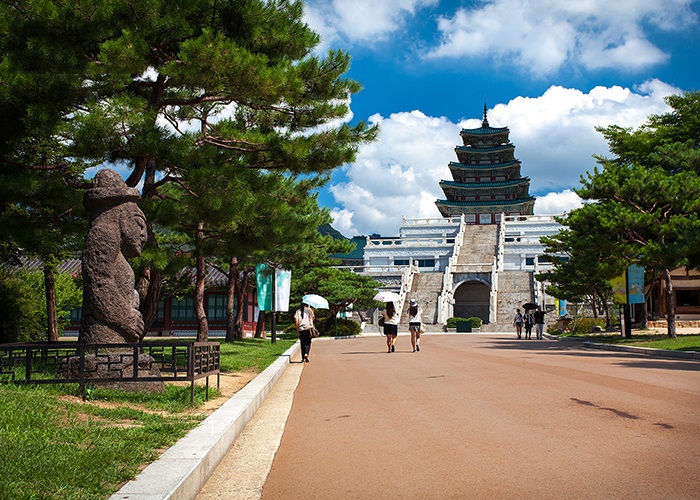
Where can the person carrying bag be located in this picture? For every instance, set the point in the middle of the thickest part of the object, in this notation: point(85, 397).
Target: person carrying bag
point(304, 322)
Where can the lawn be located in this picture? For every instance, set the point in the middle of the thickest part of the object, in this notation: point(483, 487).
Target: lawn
point(651, 340)
point(56, 446)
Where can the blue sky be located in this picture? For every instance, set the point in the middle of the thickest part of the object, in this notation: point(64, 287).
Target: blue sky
point(550, 70)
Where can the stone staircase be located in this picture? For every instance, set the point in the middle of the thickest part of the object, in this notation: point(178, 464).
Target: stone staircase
point(426, 288)
point(478, 248)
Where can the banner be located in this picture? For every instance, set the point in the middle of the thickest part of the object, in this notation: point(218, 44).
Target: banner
point(629, 288)
point(635, 284)
point(263, 279)
point(283, 286)
point(619, 289)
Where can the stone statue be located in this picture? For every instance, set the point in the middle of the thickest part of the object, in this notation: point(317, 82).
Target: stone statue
point(117, 231)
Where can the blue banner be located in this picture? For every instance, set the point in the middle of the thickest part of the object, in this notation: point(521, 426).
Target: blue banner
point(635, 284)
point(263, 279)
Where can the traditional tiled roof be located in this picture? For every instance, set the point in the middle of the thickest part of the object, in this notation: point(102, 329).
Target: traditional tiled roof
point(214, 277)
point(467, 166)
point(484, 130)
point(472, 149)
point(519, 201)
point(489, 184)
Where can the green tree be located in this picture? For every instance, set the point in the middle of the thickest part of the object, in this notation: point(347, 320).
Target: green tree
point(584, 261)
point(146, 85)
point(647, 195)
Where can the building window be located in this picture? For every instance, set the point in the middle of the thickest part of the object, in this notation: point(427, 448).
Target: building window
point(688, 298)
point(159, 320)
point(401, 262)
point(183, 310)
point(76, 315)
point(426, 262)
point(216, 307)
point(529, 261)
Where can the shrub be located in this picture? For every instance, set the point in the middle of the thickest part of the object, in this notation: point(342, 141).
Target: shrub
point(452, 322)
point(23, 304)
point(327, 327)
point(585, 325)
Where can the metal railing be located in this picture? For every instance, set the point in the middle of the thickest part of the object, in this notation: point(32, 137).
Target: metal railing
point(65, 363)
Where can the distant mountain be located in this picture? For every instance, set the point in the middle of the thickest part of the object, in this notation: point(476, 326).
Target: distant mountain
point(328, 230)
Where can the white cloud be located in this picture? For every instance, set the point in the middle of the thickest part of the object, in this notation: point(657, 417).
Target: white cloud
point(554, 137)
point(359, 21)
point(557, 203)
point(544, 36)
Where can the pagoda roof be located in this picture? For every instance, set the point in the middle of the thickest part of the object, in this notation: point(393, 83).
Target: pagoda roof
point(478, 203)
point(484, 130)
point(475, 185)
point(467, 166)
point(500, 147)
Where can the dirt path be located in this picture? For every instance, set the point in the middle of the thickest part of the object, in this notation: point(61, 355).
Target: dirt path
point(477, 416)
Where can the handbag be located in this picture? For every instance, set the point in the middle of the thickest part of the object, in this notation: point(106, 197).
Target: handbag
point(313, 332)
point(381, 321)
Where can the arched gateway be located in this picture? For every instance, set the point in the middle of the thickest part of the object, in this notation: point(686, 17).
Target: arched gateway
point(472, 299)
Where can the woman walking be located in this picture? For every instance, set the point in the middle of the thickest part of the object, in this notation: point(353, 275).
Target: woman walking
point(415, 323)
point(391, 326)
point(518, 323)
point(304, 321)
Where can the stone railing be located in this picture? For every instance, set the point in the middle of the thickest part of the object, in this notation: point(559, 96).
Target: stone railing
point(446, 299)
point(440, 221)
point(408, 242)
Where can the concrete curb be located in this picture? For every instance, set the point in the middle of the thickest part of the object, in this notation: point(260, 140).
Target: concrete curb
point(659, 353)
point(649, 351)
point(180, 473)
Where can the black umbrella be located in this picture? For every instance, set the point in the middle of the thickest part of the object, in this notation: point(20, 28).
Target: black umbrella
point(530, 305)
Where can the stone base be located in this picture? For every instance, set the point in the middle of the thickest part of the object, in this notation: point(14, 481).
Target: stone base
point(117, 365)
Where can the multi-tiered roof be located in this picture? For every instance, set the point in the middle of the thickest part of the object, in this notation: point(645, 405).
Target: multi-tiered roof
point(486, 178)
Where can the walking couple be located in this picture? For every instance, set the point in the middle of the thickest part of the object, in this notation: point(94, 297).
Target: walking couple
point(390, 320)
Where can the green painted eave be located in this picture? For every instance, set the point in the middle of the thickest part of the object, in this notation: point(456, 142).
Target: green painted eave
point(484, 131)
point(477, 185)
point(467, 166)
point(472, 149)
point(485, 203)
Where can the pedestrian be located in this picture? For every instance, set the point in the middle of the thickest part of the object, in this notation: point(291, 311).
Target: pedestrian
point(390, 319)
point(518, 323)
point(539, 322)
point(528, 321)
point(304, 322)
point(415, 323)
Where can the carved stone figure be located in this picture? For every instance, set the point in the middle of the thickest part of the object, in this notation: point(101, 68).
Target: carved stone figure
point(117, 231)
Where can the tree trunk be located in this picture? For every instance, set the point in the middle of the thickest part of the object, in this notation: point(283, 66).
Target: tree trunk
point(233, 277)
point(241, 289)
point(202, 324)
point(670, 306)
point(260, 326)
point(149, 285)
point(594, 305)
point(51, 315)
point(150, 279)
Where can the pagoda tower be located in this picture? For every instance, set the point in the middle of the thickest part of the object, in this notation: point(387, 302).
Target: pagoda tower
point(486, 179)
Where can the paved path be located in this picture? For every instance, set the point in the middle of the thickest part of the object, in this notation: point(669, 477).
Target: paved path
point(487, 416)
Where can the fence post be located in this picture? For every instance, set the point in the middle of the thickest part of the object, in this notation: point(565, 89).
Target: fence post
point(81, 371)
point(190, 370)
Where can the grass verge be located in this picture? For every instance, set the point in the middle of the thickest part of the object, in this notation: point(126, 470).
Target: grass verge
point(656, 341)
point(56, 446)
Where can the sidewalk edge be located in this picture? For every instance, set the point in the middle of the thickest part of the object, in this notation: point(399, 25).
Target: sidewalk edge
point(182, 470)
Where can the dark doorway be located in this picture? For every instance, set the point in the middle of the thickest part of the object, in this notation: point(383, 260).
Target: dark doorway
point(472, 299)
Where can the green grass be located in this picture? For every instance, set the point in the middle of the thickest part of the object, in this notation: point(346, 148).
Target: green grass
point(56, 447)
point(656, 341)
